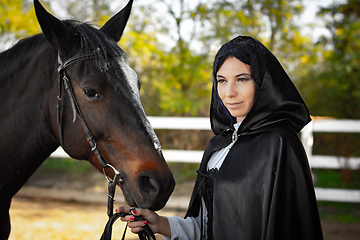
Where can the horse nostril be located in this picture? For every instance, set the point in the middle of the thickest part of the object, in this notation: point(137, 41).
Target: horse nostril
point(148, 186)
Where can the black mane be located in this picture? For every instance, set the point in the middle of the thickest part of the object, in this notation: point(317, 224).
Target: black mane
point(18, 56)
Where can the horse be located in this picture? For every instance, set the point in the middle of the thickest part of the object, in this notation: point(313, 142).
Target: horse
point(101, 120)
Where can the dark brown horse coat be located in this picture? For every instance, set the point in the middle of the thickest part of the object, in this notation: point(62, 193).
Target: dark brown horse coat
point(264, 188)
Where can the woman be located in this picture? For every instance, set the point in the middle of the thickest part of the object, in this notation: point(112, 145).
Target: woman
point(254, 181)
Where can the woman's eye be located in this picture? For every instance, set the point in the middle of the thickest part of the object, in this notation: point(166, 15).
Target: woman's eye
point(243, 79)
point(90, 93)
point(220, 80)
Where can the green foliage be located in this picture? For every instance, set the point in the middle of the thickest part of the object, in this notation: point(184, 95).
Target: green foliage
point(333, 88)
point(173, 83)
point(337, 144)
point(177, 80)
point(17, 17)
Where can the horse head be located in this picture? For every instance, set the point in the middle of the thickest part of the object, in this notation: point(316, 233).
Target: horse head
point(106, 92)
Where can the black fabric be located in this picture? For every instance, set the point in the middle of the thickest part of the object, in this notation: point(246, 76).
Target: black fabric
point(264, 189)
point(206, 192)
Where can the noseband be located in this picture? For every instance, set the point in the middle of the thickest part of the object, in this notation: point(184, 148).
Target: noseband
point(65, 83)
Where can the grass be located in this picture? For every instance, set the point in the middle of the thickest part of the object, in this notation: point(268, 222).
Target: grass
point(339, 212)
point(331, 178)
point(65, 165)
point(183, 171)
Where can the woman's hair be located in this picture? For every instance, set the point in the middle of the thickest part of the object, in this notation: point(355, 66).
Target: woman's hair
point(247, 51)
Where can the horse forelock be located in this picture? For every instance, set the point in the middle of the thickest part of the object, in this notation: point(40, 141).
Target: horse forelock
point(93, 41)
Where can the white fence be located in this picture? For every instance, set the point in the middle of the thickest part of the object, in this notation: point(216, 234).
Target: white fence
point(323, 125)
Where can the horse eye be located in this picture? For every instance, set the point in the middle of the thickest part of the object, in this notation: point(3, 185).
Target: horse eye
point(91, 93)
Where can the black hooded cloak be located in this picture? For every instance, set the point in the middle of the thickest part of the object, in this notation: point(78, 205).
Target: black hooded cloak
point(264, 188)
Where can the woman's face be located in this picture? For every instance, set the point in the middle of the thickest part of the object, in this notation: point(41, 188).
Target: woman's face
point(236, 88)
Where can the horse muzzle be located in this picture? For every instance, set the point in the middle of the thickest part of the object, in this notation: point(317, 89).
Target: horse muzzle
point(148, 191)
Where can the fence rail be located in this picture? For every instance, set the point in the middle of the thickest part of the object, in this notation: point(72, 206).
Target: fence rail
point(315, 161)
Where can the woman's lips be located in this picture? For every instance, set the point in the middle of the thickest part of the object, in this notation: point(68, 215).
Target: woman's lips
point(234, 105)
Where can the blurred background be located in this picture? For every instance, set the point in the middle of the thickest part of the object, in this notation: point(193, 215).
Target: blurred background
point(171, 45)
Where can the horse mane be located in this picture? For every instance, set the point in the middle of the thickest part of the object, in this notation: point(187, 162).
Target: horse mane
point(16, 57)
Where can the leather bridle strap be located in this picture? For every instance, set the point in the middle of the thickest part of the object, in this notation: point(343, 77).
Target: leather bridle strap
point(147, 234)
point(64, 81)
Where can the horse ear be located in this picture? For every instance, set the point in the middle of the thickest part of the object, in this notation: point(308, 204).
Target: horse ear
point(54, 30)
point(115, 26)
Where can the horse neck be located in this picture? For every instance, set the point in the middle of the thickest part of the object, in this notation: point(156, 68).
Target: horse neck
point(28, 93)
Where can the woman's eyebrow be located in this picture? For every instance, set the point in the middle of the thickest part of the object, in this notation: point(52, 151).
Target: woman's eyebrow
point(243, 74)
point(239, 75)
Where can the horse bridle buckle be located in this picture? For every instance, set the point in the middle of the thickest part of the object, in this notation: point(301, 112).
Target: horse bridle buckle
point(116, 177)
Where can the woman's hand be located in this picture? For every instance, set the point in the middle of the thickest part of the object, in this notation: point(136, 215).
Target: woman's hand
point(158, 224)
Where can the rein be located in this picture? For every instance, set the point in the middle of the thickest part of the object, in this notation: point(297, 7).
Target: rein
point(64, 82)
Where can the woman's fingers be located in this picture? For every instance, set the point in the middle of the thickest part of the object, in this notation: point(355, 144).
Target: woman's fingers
point(135, 226)
point(127, 218)
point(158, 224)
point(123, 209)
point(149, 217)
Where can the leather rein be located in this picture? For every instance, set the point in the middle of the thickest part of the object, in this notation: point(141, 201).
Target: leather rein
point(65, 83)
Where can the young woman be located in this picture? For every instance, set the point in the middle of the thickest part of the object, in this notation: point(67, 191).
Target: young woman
point(254, 180)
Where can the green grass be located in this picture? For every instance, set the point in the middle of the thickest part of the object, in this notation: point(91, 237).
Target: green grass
point(339, 211)
point(65, 165)
point(332, 178)
point(183, 171)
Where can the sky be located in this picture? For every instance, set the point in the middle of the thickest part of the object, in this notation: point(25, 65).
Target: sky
point(311, 7)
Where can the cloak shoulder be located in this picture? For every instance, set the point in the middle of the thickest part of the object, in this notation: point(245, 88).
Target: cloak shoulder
point(264, 190)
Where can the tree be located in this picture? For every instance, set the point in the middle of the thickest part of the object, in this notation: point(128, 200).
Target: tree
point(175, 81)
point(176, 72)
point(334, 87)
point(17, 20)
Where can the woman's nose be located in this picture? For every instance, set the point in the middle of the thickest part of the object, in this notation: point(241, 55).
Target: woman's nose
point(230, 90)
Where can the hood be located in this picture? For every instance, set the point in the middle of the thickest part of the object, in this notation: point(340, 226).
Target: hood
point(276, 99)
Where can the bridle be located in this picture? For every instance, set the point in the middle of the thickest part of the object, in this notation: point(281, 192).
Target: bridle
point(64, 82)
